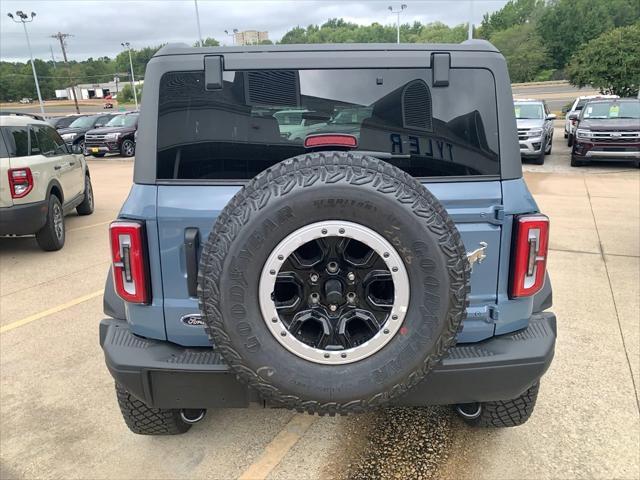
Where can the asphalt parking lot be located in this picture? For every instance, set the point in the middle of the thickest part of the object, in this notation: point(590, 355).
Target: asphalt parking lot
point(59, 417)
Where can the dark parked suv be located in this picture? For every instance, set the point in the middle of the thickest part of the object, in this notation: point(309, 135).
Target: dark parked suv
point(402, 262)
point(117, 136)
point(607, 130)
point(74, 134)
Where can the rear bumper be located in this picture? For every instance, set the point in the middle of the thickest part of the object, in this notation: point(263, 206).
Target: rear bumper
point(165, 375)
point(23, 219)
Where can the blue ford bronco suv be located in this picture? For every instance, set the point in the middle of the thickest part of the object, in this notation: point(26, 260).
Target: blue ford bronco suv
point(392, 255)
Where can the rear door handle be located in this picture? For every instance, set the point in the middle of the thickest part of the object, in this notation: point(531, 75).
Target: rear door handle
point(191, 245)
point(57, 167)
point(72, 163)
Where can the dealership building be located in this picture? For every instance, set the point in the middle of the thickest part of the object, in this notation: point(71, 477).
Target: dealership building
point(88, 91)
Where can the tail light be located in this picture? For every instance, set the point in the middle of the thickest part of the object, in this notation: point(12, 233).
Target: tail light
point(330, 140)
point(531, 242)
point(129, 257)
point(20, 182)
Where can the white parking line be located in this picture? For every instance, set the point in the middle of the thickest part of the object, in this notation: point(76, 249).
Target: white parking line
point(85, 227)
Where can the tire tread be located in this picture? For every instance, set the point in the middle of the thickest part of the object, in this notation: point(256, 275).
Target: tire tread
point(329, 168)
point(145, 420)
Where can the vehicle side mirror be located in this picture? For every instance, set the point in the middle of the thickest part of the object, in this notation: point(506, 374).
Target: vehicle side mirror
point(76, 148)
point(551, 116)
point(98, 125)
point(573, 116)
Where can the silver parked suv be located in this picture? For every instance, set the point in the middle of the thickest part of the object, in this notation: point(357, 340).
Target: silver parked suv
point(535, 129)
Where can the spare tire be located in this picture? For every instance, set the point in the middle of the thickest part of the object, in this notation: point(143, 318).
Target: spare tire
point(333, 282)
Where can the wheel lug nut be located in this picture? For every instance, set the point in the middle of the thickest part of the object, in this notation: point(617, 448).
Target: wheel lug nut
point(314, 277)
point(351, 276)
point(332, 267)
point(333, 308)
point(351, 297)
point(313, 298)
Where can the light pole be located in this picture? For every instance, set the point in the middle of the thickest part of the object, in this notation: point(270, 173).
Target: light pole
point(470, 35)
point(232, 34)
point(198, 22)
point(24, 19)
point(127, 45)
point(398, 12)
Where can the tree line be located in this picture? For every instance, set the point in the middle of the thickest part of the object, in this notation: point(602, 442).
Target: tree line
point(588, 42)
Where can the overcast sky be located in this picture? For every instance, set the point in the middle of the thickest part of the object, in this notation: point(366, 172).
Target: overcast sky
point(99, 26)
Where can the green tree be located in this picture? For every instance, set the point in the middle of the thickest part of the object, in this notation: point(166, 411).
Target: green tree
point(515, 12)
point(126, 94)
point(566, 25)
point(208, 42)
point(610, 63)
point(523, 49)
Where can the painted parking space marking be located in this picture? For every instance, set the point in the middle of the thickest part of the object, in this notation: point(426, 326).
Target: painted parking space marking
point(50, 311)
point(277, 448)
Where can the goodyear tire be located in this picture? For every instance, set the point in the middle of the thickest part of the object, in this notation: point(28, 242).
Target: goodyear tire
point(376, 269)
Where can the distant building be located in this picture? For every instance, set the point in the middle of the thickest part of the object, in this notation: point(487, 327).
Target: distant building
point(88, 91)
point(250, 37)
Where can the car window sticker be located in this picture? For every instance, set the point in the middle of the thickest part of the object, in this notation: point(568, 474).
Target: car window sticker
point(614, 111)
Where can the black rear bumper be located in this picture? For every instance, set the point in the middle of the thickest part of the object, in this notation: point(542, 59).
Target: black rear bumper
point(23, 219)
point(165, 375)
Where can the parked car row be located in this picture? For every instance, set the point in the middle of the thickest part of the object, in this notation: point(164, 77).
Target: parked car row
point(598, 127)
point(99, 134)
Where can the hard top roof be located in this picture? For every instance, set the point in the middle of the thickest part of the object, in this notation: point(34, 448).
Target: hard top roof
point(19, 121)
point(467, 45)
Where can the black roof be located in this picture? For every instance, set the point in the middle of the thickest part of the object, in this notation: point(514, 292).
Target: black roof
point(467, 45)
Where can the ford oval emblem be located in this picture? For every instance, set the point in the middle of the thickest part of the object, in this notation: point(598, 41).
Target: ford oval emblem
point(192, 320)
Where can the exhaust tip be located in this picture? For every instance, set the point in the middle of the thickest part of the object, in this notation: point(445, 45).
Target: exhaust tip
point(192, 415)
point(469, 411)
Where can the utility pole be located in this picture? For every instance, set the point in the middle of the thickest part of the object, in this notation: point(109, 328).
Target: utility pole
point(127, 45)
point(198, 21)
point(23, 18)
point(397, 12)
point(61, 38)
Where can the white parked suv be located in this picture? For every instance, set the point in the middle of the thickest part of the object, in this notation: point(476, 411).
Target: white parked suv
point(40, 181)
point(578, 104)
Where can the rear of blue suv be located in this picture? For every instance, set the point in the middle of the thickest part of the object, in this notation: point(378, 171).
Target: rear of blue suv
point(391, 255)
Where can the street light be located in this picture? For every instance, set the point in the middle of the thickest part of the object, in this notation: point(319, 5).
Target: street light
point(127, 45)
point(198, 22)
point(398, 12)
point(24, 19)
point(232, 34)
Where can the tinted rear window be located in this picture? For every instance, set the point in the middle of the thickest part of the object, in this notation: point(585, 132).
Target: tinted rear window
point(262, 117)
point(16, 140)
